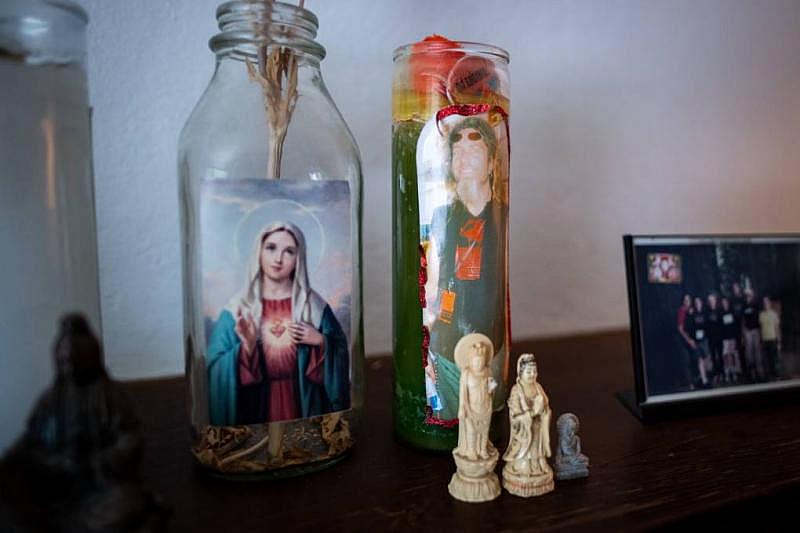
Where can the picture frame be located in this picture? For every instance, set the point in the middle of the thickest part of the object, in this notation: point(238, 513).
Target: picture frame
point(715, 322)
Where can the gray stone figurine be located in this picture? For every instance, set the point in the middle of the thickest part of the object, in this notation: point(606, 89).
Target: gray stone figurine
point(570, 462)
point(75, 466)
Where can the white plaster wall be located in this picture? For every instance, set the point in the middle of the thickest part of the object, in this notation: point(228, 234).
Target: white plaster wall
point(627, 116)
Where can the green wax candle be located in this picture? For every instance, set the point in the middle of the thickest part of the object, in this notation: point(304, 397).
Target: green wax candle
point(409, 384)
point(450, 210)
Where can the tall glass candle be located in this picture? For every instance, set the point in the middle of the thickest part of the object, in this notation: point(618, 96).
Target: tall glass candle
point(450, 166)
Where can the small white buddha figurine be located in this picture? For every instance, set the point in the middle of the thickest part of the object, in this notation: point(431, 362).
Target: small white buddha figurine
point(526, 472)
point(475, 456)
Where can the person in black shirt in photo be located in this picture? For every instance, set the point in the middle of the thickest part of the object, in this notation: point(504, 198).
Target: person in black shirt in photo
point(685, 342)
point(714, 330)
point(737, 304)
point(751, 333)
point(697, 327)
point(731, 332)
point(737, 300)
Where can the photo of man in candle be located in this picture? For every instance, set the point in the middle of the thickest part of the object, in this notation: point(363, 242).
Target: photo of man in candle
point(277, 304)
point(465, 244)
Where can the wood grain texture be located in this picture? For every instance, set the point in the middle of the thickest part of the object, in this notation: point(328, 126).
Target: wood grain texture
point(726, 469)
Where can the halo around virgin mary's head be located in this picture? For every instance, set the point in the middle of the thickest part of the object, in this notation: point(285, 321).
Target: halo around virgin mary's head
point(251, 224)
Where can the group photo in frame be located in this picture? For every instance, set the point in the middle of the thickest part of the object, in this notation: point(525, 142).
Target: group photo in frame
point(713, 317)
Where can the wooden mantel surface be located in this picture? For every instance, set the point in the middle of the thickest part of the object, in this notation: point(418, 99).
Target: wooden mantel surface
point(734, 469)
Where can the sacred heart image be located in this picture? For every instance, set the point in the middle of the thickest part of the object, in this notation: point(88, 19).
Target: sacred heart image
point(277, 267)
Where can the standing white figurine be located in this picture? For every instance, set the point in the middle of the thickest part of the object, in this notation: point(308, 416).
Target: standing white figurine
point(526, 472)
point(475, 456)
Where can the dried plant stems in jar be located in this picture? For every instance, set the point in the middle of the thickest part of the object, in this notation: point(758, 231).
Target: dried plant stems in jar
point(276, 72)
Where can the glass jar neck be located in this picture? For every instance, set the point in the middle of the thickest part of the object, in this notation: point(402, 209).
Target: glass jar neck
point(229, 66)
point(249, 28)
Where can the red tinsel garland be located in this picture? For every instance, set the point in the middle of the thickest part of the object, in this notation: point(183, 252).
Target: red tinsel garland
point(473, 109)
point(426, 340)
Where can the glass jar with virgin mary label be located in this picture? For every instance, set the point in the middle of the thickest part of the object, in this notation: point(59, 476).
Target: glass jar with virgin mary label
point(270, 184)
point(450, 162)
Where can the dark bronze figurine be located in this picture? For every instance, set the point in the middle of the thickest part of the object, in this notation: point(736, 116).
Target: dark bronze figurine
point(74, 469)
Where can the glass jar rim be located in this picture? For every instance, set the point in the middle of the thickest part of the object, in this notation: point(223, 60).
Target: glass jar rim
point(44, 10)
point(301, 17)
point(246, 24)
point(44, 32)
point(70, 7)
point(471, 47)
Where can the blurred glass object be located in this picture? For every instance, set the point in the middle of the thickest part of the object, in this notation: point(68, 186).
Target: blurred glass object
point(47, 217)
